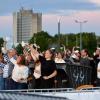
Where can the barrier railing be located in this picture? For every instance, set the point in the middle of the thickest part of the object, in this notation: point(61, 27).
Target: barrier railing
point(47, 91)
point(92, 94)
point(40, 90)
point(26, 96)
point(77, 75)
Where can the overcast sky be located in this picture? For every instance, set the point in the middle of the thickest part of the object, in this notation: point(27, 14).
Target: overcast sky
point(70, 10)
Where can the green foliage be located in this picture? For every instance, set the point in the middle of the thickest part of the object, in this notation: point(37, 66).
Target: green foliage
point(71, 40)
point(44, 40)
point(89, 41)
point(1, 43)
point(19, 49)
point(68, 40)
point(98, 41)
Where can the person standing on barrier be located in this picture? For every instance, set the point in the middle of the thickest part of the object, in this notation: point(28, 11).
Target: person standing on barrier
point(48, 68)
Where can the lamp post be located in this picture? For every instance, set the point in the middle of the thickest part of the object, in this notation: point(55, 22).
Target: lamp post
point(76, 41)
point(81, 24)
point(59, 21)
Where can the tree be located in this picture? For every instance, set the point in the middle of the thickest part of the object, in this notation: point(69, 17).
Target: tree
point(1, 43)
point(43, 39)
point(89, 41)
point(68, 40)
point(19, 49)
point(98, 41)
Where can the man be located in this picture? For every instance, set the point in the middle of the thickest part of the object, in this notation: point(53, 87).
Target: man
point(8, 68)
point(75, 57)
point(85, 61)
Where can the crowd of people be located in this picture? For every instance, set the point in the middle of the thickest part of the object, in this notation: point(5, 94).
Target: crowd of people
point(37, 70)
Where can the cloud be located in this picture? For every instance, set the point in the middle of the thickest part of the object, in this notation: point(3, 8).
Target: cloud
point(69, 9)
point(6, 25)
point(68, 24)
point(97, 2)
point(5, 20)
point(45, 6)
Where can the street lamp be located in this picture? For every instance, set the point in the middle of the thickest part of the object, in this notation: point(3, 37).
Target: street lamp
point(81, 23)
point(59, 20)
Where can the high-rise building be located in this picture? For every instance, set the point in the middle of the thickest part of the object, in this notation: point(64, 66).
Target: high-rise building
point(25, 24)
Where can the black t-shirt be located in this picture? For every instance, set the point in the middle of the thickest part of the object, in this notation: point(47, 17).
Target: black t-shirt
point(47, 66)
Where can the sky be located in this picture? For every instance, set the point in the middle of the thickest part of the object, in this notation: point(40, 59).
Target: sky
point(66, 10)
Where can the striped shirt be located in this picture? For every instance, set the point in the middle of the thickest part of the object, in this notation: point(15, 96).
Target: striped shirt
point(2, 65)
point(7, 71)
point(6, 58)
point(1, 68)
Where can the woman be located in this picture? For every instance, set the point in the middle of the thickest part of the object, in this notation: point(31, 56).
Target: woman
point(20, 73)
point(59, 58)
point(48, 68)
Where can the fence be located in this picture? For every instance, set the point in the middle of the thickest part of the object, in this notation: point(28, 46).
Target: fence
point(4, 95)
point(57, 94)
point(76, 75)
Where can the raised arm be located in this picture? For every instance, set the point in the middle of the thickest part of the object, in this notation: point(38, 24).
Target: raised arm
point(34, 53)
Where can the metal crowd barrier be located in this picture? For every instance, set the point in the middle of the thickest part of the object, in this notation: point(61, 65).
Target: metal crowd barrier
point(77, 75)
point(53, 90)
point(26, 96)
point(49, 94)
point(39, 90)
point(33, 94)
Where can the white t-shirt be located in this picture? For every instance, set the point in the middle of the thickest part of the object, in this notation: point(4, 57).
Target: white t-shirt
point(98, 72)
point(20, 72)
point(59, 60)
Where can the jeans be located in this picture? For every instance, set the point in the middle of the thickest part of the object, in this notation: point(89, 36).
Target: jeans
point(20, 85)
point(8, 84)
point(1, 82)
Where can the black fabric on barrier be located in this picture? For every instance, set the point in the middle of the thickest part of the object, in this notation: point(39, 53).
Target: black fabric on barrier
point(77, 75)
